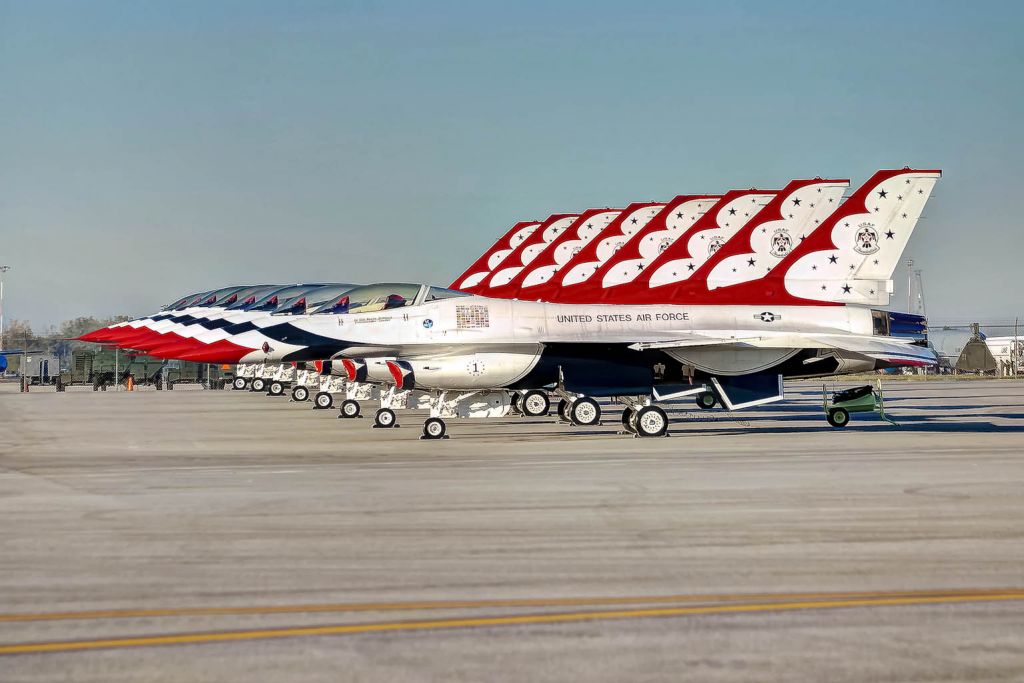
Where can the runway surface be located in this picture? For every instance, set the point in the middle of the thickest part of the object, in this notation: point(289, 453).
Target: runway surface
point(182, 536)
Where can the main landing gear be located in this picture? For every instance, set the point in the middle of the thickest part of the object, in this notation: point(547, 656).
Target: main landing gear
point(579, 411)
point(644, 420)
point(534, 403)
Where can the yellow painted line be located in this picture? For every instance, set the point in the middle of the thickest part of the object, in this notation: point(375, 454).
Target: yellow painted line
point(473, 604)
point(478, 622)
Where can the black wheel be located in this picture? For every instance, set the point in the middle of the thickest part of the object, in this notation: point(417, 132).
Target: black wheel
point(258, 384)
point(170, 385)
point(349, 408)
point(838, 417)
point(434, 428)
point(585, 412)
point(563, 410)
point(514, 402)
point(300, 393)
point(385, 418)
point(275, 389)
point(323, 400)
point(651, 421)
point(628, 416)
point(239, 383)
point(706, 401)
point(535, 403)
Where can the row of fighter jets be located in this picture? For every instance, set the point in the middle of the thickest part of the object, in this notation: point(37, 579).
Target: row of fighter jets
point(715, 296)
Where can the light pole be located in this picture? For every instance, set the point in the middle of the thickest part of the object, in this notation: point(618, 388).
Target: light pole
point(3, 269)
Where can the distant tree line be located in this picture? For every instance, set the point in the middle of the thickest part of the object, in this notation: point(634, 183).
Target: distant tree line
point(57, 339)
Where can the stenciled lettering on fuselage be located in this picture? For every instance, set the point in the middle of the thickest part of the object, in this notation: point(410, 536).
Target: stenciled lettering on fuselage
point(673, 316)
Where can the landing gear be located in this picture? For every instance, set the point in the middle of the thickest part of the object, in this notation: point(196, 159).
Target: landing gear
point(300, 393)
point(650, 421)
point(275, 389)
point(385, 418)
point(514, 400)
point(628, 415)
point(258, 384)
point(323, 400)
point(563, 410)
point(535, 403)
point(584, 412)
point(838, 417)
point(706, 401)
point(434, 428)
point(349, 409)
point(238, 383)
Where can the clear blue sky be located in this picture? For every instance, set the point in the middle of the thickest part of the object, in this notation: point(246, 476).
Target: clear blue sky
point(152, 148)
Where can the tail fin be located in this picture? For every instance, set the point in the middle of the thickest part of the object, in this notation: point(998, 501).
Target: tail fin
point(603, 247)
point(796, 212)
point(556, 254)
point(490, 259)
point(851, 257)
point(521, 256)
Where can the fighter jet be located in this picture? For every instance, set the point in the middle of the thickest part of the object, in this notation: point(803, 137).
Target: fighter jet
point(796, 321)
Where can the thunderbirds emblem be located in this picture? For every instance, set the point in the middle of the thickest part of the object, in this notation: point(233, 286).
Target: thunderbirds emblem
point(715, 244)
point(428, 323)
point(664, 244)
point(782, 243)
point(866, 240)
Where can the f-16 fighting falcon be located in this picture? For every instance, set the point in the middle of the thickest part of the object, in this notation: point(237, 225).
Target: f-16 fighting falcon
point(795, 321)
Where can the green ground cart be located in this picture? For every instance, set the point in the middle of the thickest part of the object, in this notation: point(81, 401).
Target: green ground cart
point(863, 399)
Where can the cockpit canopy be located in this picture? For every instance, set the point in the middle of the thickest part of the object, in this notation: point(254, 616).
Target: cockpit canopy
point(385, 296)
point(312, 298)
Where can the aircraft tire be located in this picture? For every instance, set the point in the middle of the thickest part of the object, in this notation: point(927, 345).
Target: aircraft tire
point(838, 417)
point(349, 409)
point(300, 393)
point(584, 412)
point(385, 418)
point(434, 428)
point(513, 399)
point(258, 384)
point(323, 400)
point(535, 403)
point(238, 383)
point(628, 415)
point(563, 410)
point(651, 421)
point(275, 389)
point(706, 401)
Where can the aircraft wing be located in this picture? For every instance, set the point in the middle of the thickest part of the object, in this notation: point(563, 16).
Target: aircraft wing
point(892, 349)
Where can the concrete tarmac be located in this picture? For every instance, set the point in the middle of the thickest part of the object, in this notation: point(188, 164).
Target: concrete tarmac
point(186, 536)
